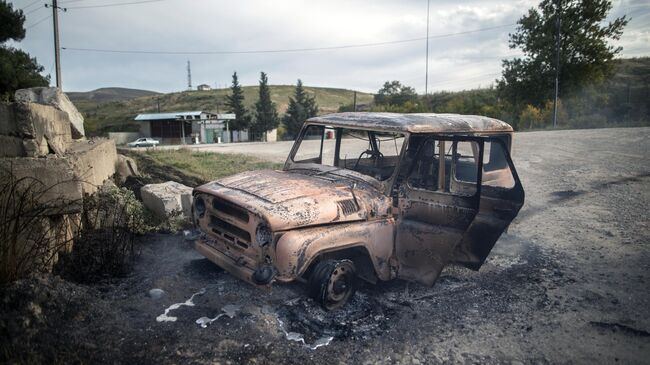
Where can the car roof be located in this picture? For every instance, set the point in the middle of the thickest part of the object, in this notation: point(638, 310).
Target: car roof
point(414, 122)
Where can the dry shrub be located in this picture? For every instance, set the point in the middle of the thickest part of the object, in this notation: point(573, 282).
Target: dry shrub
point(105, 246)
point(34, 227)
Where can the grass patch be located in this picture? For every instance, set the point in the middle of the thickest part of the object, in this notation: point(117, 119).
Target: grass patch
point(207, 166)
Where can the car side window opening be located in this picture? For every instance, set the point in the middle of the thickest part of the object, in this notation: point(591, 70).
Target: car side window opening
point(496, 170)
point(429, 172)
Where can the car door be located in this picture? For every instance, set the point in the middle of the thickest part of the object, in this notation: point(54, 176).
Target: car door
point(438, 199)
point(502, 196)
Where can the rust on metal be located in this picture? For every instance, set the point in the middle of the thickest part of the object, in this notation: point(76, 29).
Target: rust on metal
point(398, 195)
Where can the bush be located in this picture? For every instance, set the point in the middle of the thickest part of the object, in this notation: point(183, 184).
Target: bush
point(530, 117)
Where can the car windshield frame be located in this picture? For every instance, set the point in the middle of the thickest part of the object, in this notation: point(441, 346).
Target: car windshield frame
point(320, 169)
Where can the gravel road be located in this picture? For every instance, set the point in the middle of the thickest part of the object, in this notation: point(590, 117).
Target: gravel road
point(568, 283)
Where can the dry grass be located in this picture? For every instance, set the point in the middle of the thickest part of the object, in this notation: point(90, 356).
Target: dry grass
point(209, 166)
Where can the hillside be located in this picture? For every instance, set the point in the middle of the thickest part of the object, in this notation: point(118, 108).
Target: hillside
point(117, 115)
point(108, 94)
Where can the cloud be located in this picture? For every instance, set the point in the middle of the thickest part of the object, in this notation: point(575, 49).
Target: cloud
point(461, 61)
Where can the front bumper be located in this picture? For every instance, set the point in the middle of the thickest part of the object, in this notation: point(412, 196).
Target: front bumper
point(241, 267)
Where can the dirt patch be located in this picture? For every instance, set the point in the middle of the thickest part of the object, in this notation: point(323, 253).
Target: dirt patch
point(568, 283)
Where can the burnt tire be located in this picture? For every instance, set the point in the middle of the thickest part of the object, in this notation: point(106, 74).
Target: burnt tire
point(332, 283)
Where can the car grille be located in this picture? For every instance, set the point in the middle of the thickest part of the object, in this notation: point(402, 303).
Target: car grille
point(230, 209)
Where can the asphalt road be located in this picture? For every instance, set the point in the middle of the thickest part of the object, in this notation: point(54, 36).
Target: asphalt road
point(568, 283)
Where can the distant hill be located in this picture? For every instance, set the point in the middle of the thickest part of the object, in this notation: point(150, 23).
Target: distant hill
point(107, 94)
point(103, 115)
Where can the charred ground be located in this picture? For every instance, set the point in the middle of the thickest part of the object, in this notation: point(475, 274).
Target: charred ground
point(567, 283)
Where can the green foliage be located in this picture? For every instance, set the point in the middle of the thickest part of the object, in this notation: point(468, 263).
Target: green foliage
point(266, 114)
point(585, 54)
point(17, 69)
point(235, 104)
point(394, 93)
point(11, 23)
point(301, 107)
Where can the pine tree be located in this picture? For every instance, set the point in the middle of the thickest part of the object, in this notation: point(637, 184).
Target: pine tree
point(301, 107)
point(235, 105)
point(17, 69)
point(266, 115)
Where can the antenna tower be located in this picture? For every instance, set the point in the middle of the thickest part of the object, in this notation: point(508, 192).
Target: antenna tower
point(189, 76)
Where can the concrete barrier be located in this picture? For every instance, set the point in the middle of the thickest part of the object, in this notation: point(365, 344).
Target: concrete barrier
point(168, 199)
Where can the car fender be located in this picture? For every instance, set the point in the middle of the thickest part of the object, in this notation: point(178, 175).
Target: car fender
point(295, 250)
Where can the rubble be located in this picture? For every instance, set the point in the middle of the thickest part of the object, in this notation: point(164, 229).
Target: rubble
point(43, 157)
point(125, 167)
point(41, 129)
point(168, 199)
point(57, 99)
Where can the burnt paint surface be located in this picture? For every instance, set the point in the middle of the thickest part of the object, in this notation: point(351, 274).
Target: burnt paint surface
point(412, 235)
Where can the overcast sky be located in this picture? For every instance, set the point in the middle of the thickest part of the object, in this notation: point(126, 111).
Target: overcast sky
point(455, 62)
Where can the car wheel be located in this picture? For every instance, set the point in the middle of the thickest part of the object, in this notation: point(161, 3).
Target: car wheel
point(332, 283)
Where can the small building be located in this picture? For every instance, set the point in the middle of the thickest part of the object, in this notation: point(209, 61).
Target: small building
point(204, 87)
point(185, 127)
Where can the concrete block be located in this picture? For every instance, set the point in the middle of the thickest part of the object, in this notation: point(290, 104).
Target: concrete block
point(35, 121)
point(52, 180)
point(93, 163)
point(56, 98)
point(168, 199)
point(11, 147)
point(125, 167)
point(7, 119)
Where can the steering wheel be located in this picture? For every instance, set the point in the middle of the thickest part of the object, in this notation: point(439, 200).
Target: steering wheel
point(376, 155)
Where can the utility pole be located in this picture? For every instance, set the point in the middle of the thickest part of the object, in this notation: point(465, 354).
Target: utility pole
point(354, 102)
point(57, 56)
point(189, 76)
point(558, 24)
point(426, 77)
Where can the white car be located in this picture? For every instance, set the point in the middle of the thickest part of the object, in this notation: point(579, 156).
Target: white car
point(144, 142)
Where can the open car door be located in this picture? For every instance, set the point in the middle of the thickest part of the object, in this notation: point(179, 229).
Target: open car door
point(438, 200)
point(502, 196)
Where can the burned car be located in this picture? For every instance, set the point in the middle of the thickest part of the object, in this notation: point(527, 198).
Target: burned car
point(375, 196)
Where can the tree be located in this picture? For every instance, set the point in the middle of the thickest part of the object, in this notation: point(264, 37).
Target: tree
point(17, 69)
point(301, 107)
point(394, 93)
point(585, 54)
point(266, 115)
point(235, 105)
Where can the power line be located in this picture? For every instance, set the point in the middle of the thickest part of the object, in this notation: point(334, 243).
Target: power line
point(30, 4)
point(113, 4)
point(33, 10)
point(360, 45)
point(38, 22)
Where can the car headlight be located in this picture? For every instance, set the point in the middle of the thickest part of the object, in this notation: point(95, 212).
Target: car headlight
point(199, 206)
point(263, 235)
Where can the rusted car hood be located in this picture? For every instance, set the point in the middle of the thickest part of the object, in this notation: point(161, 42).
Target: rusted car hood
point(289, 200)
